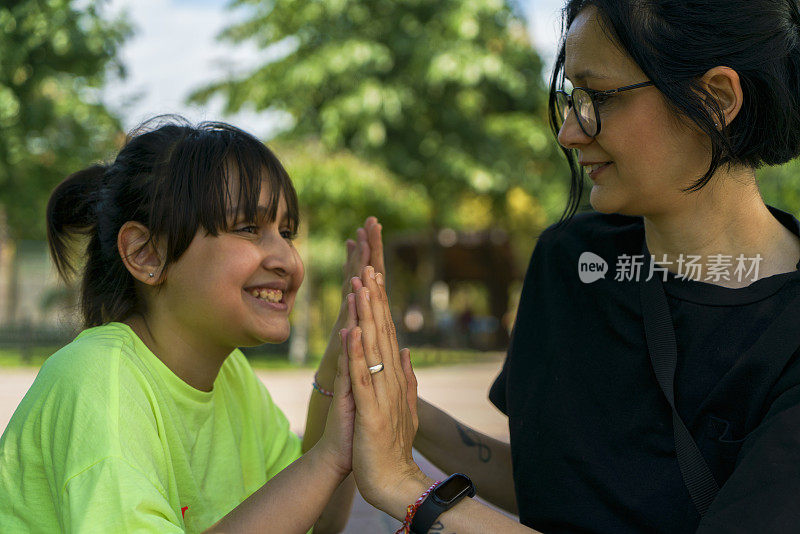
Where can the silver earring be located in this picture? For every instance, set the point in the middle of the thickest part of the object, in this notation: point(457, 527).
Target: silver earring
point(151, 275)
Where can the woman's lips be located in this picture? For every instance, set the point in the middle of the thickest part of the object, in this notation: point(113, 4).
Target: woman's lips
point(594, 174)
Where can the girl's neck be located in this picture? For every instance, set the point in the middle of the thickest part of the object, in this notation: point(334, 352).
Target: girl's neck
point(187, 357)
point(728, 217)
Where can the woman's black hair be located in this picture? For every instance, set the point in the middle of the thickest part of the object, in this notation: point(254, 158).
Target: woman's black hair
point(171, 177)
point(676, 42)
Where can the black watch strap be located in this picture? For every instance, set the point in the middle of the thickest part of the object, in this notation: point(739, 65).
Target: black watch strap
point(443, 497)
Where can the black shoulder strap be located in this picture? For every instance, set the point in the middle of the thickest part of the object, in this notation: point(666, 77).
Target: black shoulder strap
point(663, 350)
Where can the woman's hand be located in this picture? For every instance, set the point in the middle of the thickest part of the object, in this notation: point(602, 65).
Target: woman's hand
point(386, 401)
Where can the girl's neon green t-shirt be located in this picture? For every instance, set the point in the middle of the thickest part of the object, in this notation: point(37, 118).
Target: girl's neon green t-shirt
point(108, 439)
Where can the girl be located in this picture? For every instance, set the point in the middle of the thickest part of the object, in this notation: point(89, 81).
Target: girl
point(661, 398)
point(152, 419)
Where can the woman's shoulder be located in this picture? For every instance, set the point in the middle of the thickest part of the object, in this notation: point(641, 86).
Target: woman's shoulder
point(607, 235)
point(592, 225)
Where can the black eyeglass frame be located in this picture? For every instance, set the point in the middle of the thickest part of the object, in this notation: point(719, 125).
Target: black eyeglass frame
point(592, 94)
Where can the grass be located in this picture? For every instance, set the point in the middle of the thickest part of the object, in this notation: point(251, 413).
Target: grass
point(431, 356)
point(420, 357)
point(36, 357)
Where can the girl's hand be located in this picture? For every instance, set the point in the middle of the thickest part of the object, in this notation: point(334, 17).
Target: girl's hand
point(386, 401)
point(337, 440)
point(365, 250)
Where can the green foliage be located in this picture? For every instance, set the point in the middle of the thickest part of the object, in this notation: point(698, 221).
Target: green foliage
point(444, 94)
point(337, 192)
point(340, 190)
point(780, 186)
point(53, 60)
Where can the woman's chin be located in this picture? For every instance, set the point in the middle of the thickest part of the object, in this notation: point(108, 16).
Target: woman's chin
point(601, 202)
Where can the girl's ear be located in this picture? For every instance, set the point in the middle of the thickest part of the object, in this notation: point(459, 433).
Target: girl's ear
point(143, 259)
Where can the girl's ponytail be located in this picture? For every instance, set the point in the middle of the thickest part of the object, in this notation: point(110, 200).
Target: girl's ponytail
point(72, 210)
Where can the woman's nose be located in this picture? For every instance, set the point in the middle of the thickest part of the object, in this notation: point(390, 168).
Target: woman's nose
point(571, 135)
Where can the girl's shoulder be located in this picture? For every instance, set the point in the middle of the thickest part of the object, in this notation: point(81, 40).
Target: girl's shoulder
point(238, 378)
point(102, 367)
point(88, 386)
point(96, 350)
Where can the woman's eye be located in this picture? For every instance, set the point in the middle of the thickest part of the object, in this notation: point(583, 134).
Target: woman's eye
point(601, 99)
point(248, 229)
point(289, 234)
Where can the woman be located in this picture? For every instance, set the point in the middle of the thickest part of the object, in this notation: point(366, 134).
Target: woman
point(674, 107)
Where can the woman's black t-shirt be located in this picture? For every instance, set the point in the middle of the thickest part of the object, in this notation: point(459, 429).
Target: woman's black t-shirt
point(591, 431)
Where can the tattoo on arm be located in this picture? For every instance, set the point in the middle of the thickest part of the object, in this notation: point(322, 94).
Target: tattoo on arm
point(439, 527)
point(470, 438)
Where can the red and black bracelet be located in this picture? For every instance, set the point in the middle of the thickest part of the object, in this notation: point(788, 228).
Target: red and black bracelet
point(405, 528)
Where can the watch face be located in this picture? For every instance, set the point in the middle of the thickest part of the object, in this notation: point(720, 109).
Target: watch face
point(452, 488)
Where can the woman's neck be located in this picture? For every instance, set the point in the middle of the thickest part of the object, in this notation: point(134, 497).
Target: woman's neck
point(190, 359)
point(728, 218)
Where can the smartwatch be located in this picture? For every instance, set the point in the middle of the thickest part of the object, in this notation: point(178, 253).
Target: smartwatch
point(442, 498)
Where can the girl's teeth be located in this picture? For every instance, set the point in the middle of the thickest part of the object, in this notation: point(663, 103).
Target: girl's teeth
point(271, 295)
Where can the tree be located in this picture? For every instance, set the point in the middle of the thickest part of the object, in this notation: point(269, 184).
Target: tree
point(446, 94)
point(53, 59)
point(337, 192)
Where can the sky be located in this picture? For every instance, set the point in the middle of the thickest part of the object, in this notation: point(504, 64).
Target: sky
point(174, 51)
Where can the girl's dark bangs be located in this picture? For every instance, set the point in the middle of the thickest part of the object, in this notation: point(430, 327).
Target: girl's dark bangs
point(253, 163)
point(243, 162)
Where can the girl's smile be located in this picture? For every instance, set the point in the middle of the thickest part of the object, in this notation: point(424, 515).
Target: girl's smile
point(269, 296)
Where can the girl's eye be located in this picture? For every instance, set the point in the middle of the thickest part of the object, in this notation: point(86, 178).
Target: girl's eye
point(289, 234)
point(248, 229)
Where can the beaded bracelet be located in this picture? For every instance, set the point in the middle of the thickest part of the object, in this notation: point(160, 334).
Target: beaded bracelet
point(405, 528)
point(317, 387)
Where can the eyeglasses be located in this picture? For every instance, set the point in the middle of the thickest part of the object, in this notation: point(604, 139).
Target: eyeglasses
point(584, 101)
